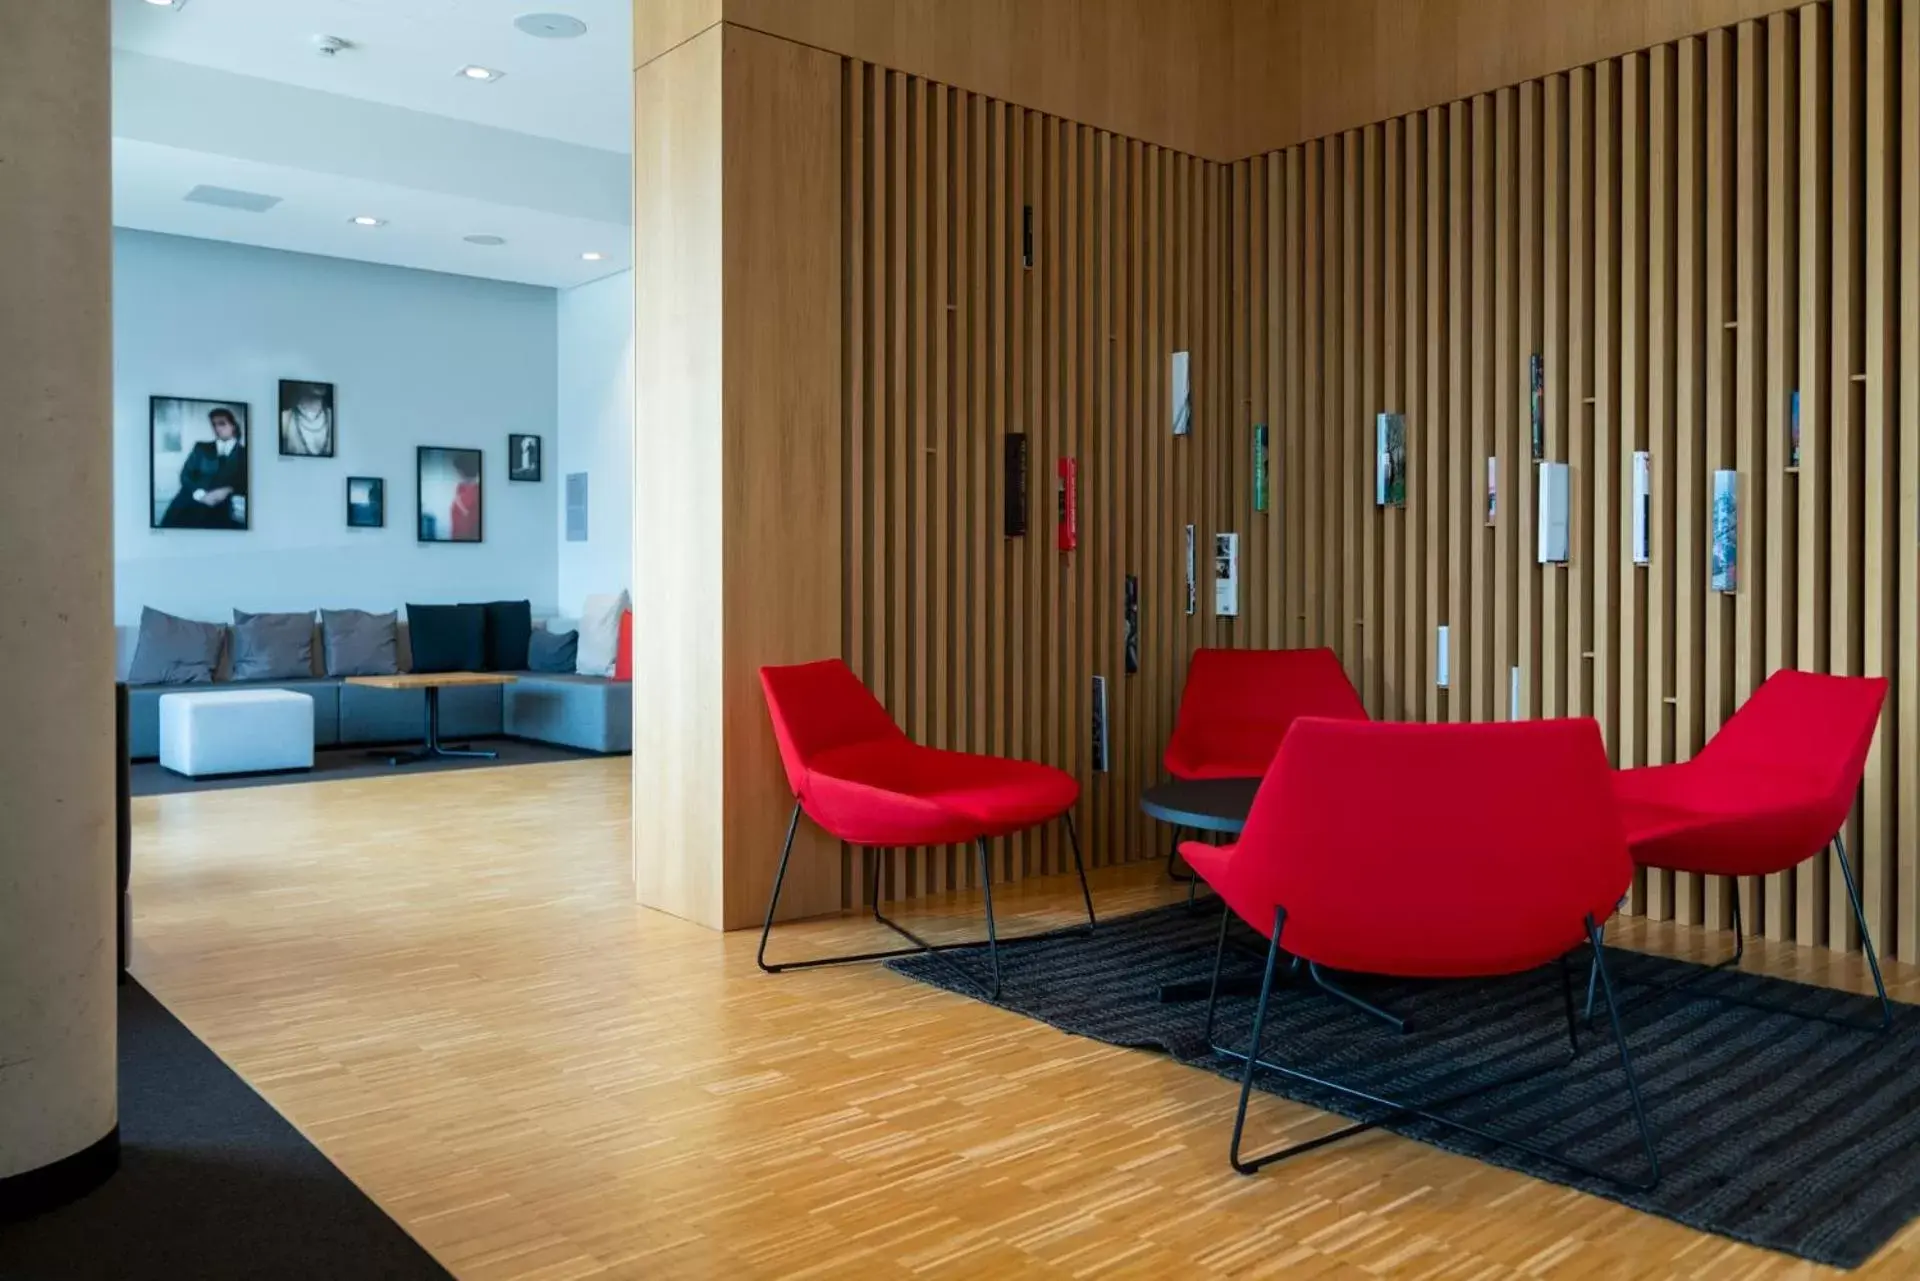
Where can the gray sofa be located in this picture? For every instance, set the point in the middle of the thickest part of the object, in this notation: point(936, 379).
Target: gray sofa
point(589, 713)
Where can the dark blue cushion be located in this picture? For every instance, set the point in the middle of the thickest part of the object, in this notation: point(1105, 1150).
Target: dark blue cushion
point(448, 638)
point(509, 628)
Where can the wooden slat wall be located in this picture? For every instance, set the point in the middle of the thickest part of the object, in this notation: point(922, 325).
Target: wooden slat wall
point(988, 643)
point(1685, 235)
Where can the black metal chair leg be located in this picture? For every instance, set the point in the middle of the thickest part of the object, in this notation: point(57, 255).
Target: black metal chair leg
point(1331, 988)
point(1080, 867)
point(1253, 1046)
point(773, 902)
point(921, 947)
point(1173, 857)
point(1219, 958)
point(1836, 847)
point(1626, 1058)
point(1566, 992)
point(993, 938)
point(1398, 1109)
point(1839, 850)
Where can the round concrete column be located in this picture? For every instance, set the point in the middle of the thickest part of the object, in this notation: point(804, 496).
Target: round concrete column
point(59, 1133)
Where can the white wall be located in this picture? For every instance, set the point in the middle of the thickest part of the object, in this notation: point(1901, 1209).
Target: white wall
point(596, 436)
point(416, 358)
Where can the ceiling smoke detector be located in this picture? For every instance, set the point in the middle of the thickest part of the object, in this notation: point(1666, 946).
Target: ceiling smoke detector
point(328, 46)
point(484, 239)
point(551, 26)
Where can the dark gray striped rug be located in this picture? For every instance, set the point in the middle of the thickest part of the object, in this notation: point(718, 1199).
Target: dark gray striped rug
point(1783, 1132)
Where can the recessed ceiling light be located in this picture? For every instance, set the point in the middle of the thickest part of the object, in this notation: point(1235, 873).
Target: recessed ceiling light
point(591, 256)
point(483, 74)
point(365, 220)
point(484, 239)
point(551, 26)
point(167, 4)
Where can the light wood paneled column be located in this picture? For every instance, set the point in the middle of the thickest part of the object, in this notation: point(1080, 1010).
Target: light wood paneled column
point(58, 1127)
point(737, 525)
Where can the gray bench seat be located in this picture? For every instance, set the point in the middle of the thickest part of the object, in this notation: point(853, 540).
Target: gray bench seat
point(591, 713)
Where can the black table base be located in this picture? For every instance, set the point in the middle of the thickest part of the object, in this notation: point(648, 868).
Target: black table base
point(432, 748)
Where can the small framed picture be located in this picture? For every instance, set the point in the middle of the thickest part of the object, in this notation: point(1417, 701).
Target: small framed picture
point(447, 489)
point(366, 502)
point(306, 419)
point(523, 458)
point(197, 452)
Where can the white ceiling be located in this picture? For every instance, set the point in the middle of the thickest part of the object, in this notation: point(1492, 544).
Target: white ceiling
point(233, 93)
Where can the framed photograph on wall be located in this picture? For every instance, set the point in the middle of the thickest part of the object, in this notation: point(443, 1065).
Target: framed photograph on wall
point(306, 419)
point(523, 457)
point(198, 470)
point(366, 502)
point(447, 487)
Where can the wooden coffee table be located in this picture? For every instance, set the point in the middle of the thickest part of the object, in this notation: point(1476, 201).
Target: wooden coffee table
point(433, 683)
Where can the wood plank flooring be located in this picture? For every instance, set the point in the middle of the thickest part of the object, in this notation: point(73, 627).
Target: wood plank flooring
point(442, 979)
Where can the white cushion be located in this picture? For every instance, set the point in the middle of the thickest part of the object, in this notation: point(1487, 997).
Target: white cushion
point(599, 634)
point(237, 731)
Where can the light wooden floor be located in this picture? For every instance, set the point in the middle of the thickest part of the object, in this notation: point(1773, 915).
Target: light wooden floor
point(443, 981)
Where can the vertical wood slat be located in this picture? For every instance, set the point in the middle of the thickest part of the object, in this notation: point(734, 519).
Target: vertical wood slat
point(1688, 237)
point(1906, 712)
point(1810, 878)
point(1716, 696)
point(1775, 417)
point(1662, 407)
point(1634, 678)
point(1750, 457)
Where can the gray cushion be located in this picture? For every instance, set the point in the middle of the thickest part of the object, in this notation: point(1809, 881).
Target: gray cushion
point(548, 652)
point(360, 644)
point(175, 651)
point(272, 647)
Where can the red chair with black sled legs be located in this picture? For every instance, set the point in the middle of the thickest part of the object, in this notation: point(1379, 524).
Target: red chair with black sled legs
point(1769, 791)
point(863, 781)
point(1237, 705)
point(1427, 852)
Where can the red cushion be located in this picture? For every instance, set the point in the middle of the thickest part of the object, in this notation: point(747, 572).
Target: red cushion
point(864, 781)
point(1428, 850)
point(1237, 705)
point(1768, 791)
point(623, 649)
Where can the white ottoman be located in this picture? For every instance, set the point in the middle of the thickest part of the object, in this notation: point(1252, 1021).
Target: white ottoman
point(236, 731)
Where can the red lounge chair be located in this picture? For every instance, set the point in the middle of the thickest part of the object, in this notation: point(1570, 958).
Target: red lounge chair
point(1426, 851)
point(1238, 704)
point(862, 780)
point(1771, 790)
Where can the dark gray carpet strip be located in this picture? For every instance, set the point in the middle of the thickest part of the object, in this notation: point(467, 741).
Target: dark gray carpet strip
point(214, 1185)
point(1780, 1131)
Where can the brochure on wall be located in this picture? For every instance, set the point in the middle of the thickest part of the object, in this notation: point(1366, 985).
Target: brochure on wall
point(1014, 475)
point(1226, 575)
point(1192, 600)
point(1726, 531)
point(1133, 624)
point(1536, 398)
point(1553, 513)
point(1390, 460)
point(1642, 506)
point(1441, 673)
point(1493, 488)
point(1260, 467)
point(1182, 390)
point(1099, 724)
point(1069, 505)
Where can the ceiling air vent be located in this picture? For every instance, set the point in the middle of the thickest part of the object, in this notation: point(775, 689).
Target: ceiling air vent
point(228, 198)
